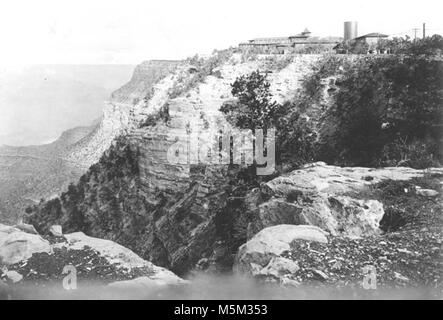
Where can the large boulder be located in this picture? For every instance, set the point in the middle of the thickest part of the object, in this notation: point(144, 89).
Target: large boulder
point(56, 231)
point(335, 199)
point(258, 255)
point(279, 267)
point(320, 177)
point(113, 252)
point(99, 260)
point(343, 215)
point(13, 276)
point(16, 245)
point(123, 258)
point(28, 228)
point(162, 277)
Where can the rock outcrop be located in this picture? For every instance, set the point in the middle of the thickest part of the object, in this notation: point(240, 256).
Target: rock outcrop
point(176, 203)
point(167, 212)
point(347, 205)
point(26, 257)
point(335, 199)
point(17, 245)
point(261, 256)
point(126, 108)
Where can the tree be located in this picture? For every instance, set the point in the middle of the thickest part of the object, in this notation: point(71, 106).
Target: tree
point(254, 108)
point(430, 46)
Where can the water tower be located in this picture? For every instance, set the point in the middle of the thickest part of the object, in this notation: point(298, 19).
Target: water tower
point(351, 30)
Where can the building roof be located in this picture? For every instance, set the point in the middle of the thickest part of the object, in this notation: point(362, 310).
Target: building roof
point(373, 35)
point(270, 39)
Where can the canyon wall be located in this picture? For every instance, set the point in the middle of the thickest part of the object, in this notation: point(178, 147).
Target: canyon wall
point(164, 211)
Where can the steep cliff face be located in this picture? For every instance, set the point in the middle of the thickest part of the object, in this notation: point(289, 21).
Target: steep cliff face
point(166, 212)
point(126, 108)
point(28, 174)
point(31, 173)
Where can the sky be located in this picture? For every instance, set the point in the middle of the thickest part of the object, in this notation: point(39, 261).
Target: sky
point(131, 31)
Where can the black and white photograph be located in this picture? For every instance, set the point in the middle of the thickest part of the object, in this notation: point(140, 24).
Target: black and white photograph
point(221, 155)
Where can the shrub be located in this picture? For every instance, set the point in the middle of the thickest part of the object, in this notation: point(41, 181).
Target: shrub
point(201, 68)
point(417, 154)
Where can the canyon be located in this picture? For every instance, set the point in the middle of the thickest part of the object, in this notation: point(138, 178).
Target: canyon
point(120, 185)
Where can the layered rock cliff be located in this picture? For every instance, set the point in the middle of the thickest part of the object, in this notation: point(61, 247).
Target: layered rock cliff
point(164, 211)
point(126, 108)
point(186, 215)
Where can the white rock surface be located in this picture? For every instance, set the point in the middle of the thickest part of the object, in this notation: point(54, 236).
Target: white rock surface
point(16, 245)
point(112, 251)
point(124, 258)
point(257, 253)
point(56, 230)
point(162, 278)
point(325, 196)
point(28, 228)
point(278, 267)
point(427, 193)
point(14, 276)
point(320, 177)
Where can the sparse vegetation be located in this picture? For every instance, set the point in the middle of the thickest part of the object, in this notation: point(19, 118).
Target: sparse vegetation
point(382, 102)
point(278, 62)
point(161, 115)
point(431, 46)
point(85, 207)
point(199, 70)
point(387, 111)
point(255, 108)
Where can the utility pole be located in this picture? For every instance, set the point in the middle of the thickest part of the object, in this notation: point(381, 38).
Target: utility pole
point(415, 33)
point(424, 30)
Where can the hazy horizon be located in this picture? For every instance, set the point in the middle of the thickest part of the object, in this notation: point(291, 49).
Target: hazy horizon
point(129, 32)
point(39, 102)
point(37, 108)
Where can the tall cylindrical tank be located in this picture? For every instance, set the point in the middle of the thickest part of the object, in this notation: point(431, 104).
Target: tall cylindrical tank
point(351, 30)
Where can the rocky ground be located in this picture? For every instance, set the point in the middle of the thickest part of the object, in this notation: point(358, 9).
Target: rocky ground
point(324, 232)
point(404, 255)
point(32, 263)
